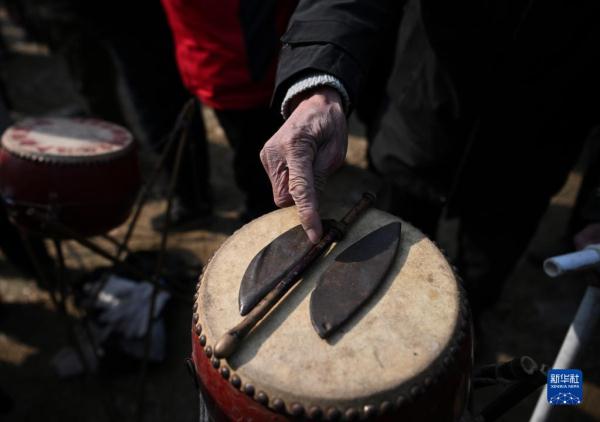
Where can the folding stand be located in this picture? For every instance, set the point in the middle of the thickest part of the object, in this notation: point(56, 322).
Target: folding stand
point(58, 232)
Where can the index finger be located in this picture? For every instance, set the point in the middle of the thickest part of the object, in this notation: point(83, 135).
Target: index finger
point(302, 189)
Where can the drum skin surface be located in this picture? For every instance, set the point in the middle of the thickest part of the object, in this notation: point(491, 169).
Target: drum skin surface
point(405, 354)
point(82, 172)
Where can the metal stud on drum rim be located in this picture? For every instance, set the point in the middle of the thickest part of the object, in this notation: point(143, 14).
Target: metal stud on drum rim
point(448, 310)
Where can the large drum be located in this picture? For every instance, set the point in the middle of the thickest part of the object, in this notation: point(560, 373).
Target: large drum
point(81, 173)
point(406, 355)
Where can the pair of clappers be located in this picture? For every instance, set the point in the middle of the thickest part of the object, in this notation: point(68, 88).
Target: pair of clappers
point(342, 288)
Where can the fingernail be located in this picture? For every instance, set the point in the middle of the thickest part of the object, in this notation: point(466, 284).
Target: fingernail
point(312, 235)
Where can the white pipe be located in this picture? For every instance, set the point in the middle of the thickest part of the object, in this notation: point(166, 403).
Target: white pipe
point(586, 319)
point(585, 258)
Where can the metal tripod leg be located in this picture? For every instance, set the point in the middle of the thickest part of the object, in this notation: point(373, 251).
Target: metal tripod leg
point(66, 232)
point(61, 279)
point(63, 294)
point(183, 139)
point(60, 304)
point(58, 296)
point(38, 268)
point(182, 120)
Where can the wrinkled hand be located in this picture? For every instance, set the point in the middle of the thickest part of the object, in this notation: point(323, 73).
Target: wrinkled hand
point(308, 147)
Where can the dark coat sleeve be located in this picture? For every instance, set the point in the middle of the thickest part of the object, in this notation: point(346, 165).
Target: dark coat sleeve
point(338, 37)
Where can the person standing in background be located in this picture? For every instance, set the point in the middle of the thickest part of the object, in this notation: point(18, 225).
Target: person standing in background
point(116, 80)
point(485, 113)
point(227, 55)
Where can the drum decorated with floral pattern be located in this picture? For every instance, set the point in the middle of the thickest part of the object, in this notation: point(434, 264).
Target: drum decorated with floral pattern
point(81, 173)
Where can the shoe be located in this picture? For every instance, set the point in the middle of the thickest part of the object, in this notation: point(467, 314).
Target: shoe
point(182, 217)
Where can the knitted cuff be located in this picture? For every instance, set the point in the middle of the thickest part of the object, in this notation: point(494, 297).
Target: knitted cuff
point(310, 82)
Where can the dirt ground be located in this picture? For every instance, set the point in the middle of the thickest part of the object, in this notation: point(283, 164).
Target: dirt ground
point(531, 318)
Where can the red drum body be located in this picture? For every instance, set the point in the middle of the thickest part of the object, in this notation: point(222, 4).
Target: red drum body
point(81, 173)
point(407, 355)
point(442, 400)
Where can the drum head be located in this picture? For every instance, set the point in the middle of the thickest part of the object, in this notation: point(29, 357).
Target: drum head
point(395, 345)
point(66, 140)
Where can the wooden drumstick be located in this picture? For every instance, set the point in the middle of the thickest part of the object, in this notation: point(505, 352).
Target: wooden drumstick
point(229, 342)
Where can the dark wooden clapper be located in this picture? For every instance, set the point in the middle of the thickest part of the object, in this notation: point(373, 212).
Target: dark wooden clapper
point(270, 265)
point(278, 266)
point(353, 278)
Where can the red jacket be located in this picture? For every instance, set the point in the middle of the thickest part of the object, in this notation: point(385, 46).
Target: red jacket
point(227, 49)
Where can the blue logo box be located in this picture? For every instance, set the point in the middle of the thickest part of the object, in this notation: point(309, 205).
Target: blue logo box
point(565, 387)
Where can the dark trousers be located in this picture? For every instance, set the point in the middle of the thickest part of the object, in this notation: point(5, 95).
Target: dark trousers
point(493, 146)
point(246, 132)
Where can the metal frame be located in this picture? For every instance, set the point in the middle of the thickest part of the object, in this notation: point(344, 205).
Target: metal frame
point(59, 290)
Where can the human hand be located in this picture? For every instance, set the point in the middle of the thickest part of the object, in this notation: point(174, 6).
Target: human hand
point(308, 147)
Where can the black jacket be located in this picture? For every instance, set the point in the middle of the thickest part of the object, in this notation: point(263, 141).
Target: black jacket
point(344, 37)
point(334, 37)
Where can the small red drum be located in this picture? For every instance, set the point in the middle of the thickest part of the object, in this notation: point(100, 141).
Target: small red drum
point(81, 173)
point(405, 356)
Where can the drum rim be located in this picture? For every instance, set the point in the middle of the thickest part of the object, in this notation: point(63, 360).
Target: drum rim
point(360, 407)
point(104, 157)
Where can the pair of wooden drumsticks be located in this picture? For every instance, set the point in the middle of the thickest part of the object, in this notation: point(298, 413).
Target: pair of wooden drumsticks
point(341, 289)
